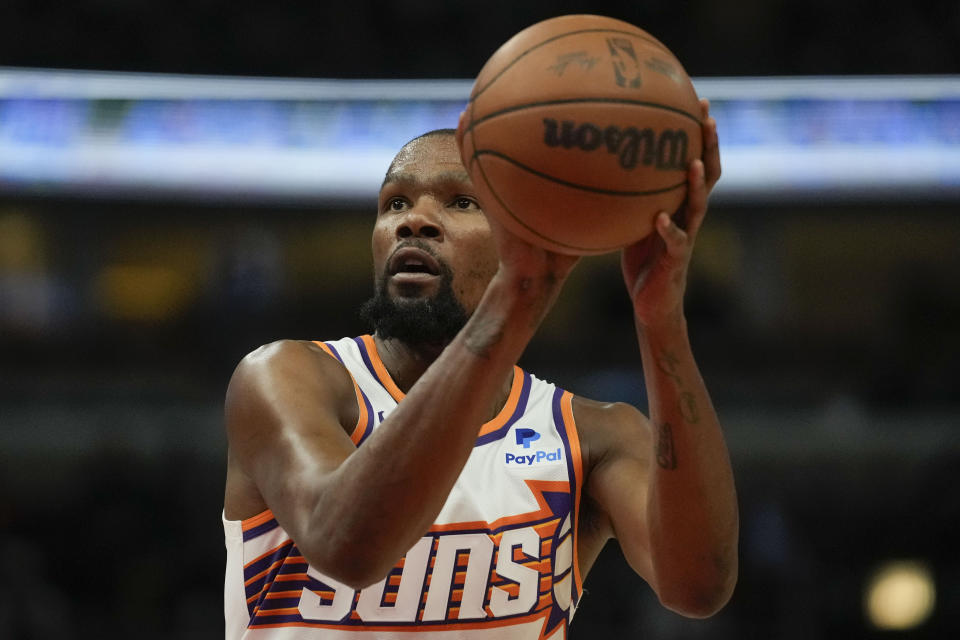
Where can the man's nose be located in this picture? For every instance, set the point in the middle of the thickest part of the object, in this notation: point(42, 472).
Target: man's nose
point(421, 221)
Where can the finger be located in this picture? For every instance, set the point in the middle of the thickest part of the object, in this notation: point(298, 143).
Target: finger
point(635, 256)
point(673, 236)
point(711, 153)
point(704, 109)
point(697, 194)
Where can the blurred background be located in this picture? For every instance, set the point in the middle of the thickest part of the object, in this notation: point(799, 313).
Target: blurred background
point(182, 183)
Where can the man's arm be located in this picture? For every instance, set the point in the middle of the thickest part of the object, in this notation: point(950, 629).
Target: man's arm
point(667, 488)
point(352, 512)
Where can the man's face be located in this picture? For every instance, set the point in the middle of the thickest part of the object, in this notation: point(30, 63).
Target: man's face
point(431, 240)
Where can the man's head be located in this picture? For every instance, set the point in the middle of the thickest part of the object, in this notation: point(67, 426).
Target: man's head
point(433, 252)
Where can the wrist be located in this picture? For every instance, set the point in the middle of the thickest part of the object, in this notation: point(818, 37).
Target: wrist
point(526, 287)
point(665, 325)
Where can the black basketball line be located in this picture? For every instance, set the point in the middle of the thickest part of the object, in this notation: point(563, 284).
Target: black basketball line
point(473, 107)
point(523, 224)
point(473, 158)
point(649, 39)
point(573, 185)
point(551, 103)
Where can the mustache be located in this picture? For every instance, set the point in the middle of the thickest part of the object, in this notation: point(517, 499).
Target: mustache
point(422, 245)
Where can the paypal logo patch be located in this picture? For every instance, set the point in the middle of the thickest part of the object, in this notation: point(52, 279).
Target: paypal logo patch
point(526, 436)
point(533, 458)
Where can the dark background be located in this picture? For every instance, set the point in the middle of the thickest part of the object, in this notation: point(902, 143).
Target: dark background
point(433, 39)
point(826, 331)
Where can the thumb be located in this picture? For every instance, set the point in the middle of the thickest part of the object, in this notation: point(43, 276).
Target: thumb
point(673, 236)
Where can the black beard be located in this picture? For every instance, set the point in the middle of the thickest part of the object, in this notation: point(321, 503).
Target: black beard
point(416, 322)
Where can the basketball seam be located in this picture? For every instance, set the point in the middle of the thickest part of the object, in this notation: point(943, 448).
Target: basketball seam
point(648, 39)
point(573, 185)
point(550, 103)
point(523, 224)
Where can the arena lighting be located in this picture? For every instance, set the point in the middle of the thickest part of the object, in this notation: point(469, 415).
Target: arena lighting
point(900, 595)
point(281, 140)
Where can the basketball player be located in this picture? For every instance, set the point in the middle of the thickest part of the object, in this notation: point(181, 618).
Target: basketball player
point(418, 480)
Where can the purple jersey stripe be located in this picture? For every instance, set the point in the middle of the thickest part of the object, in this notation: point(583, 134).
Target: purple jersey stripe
point(280, 603)
point(366, 359)
point(368, 428)
point(294, 566)
point(519, 411)
point(259, 530)
point(260, 619)
point(561, 576)
point(263, 618)
point(496, 530)
point(253, 589)
point(258, 566)
point(334, 351)
point(571, 470)
point(268, 579)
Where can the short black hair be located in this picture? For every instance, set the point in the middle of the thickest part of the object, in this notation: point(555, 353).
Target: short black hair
point(433, 132)
point(429, 134)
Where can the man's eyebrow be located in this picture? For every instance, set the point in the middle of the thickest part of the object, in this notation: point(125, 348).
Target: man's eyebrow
point(444, 177)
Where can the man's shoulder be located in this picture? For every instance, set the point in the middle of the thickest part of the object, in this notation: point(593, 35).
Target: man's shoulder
point(289, 360)
point(599, 413)
point(590, 413)
point(283, 348)
point(277, 352)
point(604, 427)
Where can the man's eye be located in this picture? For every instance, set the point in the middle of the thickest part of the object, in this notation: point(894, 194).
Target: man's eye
point(465, 203)
point(396, 204)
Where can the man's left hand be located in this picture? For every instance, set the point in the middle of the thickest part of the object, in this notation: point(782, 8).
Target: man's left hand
point(655, 268)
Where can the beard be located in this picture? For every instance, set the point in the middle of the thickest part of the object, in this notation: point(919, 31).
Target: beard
point(416, 322)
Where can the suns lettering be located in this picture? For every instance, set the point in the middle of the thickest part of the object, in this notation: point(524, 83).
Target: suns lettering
point(480, 549)
point(404, 608)
point(501, 602)
point(434, 585)
point(313, 607)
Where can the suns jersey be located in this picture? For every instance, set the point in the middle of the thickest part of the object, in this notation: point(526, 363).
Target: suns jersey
point(499, 562)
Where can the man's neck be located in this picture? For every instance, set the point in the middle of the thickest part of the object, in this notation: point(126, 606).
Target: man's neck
point(406, 363)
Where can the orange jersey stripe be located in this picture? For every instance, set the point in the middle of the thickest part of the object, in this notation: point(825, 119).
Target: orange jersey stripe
point(381, 370)
point(537, 487)
point(566, 408)
point(508, 407)
point(539, 614)
point(363, 418)
point(257, 520)
point(253, 579)
point(384, 377)
point(287, 577)
point(268, 553)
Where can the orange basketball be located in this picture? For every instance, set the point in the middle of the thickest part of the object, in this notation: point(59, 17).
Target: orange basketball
point(579, 131)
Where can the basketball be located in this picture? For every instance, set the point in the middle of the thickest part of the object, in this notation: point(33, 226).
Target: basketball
point(579, 130)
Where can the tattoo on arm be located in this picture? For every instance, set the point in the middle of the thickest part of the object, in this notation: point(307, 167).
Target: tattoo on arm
point(688, 408)
point(688, 402)
point(668, 364)
point(666, 454)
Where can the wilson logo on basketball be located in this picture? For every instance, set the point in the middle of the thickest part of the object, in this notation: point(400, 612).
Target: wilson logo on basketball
point(666, 149)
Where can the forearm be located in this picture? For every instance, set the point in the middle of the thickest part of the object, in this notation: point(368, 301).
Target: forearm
point(692, 507)
point(389, 492)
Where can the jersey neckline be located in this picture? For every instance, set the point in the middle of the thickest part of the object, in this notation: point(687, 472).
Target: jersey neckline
point(383, 377)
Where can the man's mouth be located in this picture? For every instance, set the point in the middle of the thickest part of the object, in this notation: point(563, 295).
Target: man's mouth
point(411, 263)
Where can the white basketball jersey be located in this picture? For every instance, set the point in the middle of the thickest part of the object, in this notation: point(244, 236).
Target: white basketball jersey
point(499, 562)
